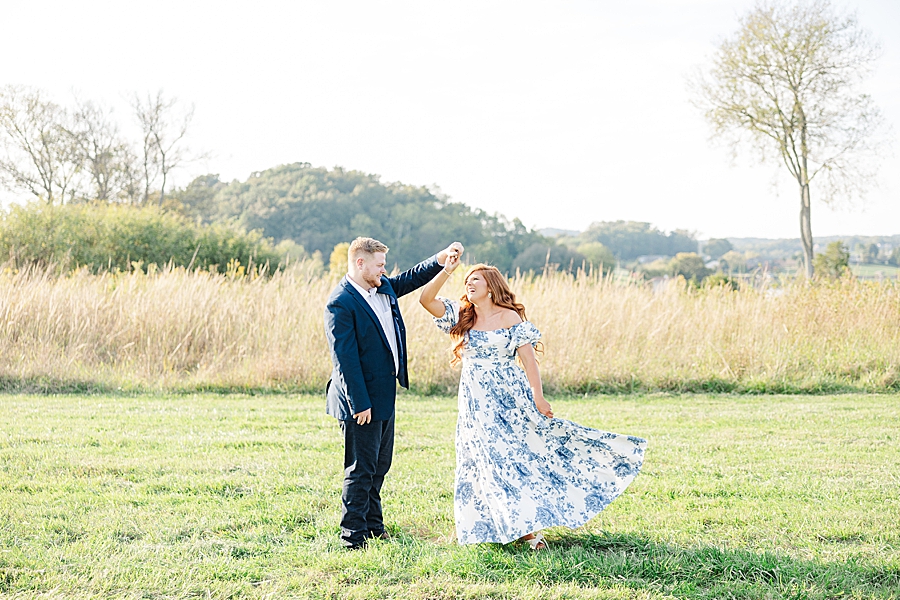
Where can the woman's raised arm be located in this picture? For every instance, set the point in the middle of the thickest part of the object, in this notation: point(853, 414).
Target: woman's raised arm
point(428, 296)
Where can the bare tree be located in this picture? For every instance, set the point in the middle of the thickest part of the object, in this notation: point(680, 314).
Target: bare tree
point(37, 155)
point(163, 127)
point(105, 156)
point(786, 83)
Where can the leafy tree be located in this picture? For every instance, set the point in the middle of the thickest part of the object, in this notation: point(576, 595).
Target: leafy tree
point(538, 257)
point(290, 252)
point(733, 261)
point(337, 262)
point(870, 253)
point(834, 262)
point(597, 255)
point(656, 268)
point(715, 248)
point(895, 257)
point(196, 200)
point(631, 239)
point(786, 83)
point(689, 265)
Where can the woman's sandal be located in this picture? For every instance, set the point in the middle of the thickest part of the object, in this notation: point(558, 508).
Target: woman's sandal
point(538, 542)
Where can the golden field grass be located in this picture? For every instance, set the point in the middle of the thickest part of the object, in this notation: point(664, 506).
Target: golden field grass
point(179, 330)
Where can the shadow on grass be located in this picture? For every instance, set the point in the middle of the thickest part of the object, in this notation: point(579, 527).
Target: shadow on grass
point(592, 560)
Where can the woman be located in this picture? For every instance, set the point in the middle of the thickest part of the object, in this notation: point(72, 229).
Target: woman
point(518, 469)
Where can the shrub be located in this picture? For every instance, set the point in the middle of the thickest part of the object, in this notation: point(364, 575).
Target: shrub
point(833, 262)
point(721, 280)
point(733, 261)
point(598, 255)
point(689, 265)
point(338, 261)
point(114, 236)
point(715, 248)
point(656, 268)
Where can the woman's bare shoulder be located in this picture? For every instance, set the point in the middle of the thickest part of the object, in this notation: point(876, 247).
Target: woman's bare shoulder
point(509, 317)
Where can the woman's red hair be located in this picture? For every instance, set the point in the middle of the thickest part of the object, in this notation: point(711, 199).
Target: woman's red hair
point(501, 295)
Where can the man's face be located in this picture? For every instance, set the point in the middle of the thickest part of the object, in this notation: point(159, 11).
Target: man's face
point(372, 268)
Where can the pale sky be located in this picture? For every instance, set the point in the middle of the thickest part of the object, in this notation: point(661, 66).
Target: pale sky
point(560, 113)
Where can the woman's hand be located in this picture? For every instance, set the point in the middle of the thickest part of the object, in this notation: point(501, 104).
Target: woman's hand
point(453, 249)
point(543, 407)
point(452, 262)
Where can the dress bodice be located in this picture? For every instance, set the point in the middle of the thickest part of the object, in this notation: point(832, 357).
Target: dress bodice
point(496, 345)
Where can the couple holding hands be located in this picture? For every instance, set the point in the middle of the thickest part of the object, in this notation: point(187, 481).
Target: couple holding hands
point(519, 469)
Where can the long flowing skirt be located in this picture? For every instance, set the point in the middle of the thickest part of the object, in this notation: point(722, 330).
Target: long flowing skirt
point(518, 471)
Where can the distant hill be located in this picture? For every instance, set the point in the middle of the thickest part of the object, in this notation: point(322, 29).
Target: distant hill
point(319, 208)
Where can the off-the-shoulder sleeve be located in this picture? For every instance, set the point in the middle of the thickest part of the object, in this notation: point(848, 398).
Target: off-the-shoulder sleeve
point(451, 315)
point(524, 333)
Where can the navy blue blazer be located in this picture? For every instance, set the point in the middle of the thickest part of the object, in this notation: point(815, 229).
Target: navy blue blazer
point(363, 373)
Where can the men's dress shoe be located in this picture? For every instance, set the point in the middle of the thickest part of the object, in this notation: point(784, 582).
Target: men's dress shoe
point(384, 535)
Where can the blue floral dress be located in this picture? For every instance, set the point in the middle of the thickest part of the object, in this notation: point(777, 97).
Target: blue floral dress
point(516, 470)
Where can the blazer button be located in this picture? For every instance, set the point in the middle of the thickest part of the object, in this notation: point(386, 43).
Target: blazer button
point(393, 373)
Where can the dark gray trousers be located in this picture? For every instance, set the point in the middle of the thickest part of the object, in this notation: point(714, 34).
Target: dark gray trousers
point(368, 450)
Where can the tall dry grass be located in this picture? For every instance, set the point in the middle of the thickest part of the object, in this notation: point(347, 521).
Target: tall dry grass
point(194, 330)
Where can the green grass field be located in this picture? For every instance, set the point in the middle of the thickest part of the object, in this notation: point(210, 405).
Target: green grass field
point(875, 271)
point(216, 496)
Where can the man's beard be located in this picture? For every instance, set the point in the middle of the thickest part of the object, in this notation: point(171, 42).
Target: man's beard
point(373, 281)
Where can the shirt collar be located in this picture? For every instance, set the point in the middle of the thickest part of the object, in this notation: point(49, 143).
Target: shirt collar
point(365, 293)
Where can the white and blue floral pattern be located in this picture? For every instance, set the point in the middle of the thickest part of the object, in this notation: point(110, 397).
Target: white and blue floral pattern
point(516, 470)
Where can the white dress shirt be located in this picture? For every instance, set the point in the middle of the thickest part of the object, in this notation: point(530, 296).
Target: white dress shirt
point(381, 306)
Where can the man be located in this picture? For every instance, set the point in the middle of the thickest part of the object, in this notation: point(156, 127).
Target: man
point(367, 340)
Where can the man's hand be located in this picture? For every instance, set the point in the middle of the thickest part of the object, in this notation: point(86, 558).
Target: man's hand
point(455, 249)
point(364, 417)
point(452, 263)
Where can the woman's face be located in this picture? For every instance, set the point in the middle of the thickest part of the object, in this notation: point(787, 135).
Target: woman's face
point(476, 288)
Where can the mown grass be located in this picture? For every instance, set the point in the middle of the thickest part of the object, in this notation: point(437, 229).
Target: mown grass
point(175, 330)
point(218, 496)
point(871, 271)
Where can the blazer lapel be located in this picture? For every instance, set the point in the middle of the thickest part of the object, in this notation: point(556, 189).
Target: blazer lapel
point(395, 315)
point(366, 308)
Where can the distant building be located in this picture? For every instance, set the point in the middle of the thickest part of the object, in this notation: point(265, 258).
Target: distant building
point(649, 258)
point(552, 232)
